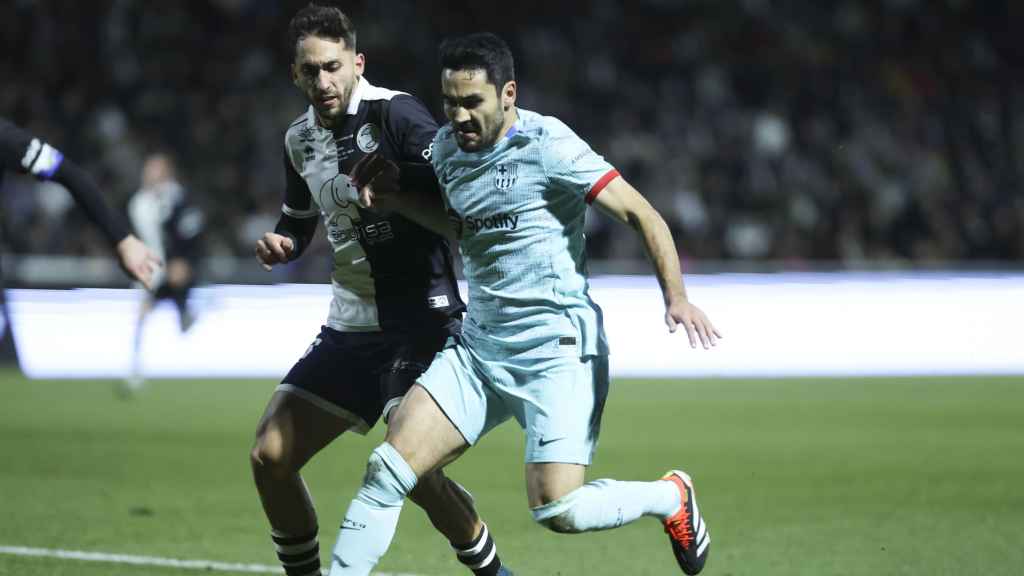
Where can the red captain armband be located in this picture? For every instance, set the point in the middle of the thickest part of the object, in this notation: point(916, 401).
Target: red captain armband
point(600, 184)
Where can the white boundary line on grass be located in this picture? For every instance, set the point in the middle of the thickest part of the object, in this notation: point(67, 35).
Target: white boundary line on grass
point(208, 565)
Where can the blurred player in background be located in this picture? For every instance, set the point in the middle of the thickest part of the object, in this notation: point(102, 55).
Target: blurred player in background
point(22, 152)
point(517, 186)
point(164, 217)
point(395, 299)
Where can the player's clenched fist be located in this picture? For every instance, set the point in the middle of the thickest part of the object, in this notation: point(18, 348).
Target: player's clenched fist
point(274, 249)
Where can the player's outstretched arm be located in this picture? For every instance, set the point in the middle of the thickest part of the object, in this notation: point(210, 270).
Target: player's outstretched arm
point(624, 203)
point(24, 152)
point(89, 198)
point(378, 181)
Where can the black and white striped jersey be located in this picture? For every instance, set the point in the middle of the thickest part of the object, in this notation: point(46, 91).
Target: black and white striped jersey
point(166, 219)
point(389, 273)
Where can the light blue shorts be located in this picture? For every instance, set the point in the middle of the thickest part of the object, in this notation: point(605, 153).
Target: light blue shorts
point(556, 399)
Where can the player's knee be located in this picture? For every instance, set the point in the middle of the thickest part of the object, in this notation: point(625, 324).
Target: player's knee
point(388, 479)
point(271, 459)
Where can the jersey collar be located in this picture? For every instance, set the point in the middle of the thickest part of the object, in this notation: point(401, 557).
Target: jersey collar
point(516, 127)
point(357, 96)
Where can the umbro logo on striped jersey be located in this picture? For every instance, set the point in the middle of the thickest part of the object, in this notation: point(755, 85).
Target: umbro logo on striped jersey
point(306, 134)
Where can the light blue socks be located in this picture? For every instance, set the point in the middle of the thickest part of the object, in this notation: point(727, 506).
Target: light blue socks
point(372, 516)
point(604, 504)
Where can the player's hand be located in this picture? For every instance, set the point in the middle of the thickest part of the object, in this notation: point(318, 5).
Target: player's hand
point(376, 178)
point(137, 260)
point(694, 320)
point(273, 249)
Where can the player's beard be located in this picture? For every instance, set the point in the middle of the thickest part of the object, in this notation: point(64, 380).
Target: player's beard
point(488, 132)
point(495, 123)
point(328, 117)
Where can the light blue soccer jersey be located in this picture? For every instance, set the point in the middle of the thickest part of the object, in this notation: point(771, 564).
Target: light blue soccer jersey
point(520, 207)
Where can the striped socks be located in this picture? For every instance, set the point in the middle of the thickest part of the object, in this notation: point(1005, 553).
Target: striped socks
point(481, 555)
point(300, 555)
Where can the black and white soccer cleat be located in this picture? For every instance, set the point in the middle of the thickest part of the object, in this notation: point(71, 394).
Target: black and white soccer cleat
point(686, 529)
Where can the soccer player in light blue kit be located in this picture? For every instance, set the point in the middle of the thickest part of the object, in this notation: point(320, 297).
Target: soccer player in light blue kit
point(517, 185)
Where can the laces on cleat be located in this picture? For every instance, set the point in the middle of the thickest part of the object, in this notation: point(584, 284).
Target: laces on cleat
point(678, 527)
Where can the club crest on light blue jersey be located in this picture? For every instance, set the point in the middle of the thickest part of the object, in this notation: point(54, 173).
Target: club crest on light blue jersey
point(505, 175)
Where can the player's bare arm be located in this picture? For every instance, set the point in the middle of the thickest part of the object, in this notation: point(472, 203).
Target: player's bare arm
point(623, 202)
point(378, 182)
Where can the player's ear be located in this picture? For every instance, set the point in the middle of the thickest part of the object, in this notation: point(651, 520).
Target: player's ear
point(360, 63)
point(294, 69)
point(508, 95)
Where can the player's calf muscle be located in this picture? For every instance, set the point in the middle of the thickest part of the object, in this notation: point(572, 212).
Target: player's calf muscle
point(451, 514)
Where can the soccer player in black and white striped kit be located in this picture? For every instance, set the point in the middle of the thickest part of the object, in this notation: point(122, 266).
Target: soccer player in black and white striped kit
point(395, 299)
point(164, 215)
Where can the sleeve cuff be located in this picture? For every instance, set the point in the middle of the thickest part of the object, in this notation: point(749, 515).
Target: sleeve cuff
point(289, 211)
point(600, 184)
point(41, 160)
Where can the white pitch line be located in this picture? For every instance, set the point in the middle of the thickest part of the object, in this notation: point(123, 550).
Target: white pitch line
point(208, 565)
point(140, 560)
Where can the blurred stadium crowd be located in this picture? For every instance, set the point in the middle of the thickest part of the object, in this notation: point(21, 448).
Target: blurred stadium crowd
point(850, 131)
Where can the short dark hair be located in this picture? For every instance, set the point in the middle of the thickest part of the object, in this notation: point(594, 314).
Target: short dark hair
point(323, 21)
point(480, 50)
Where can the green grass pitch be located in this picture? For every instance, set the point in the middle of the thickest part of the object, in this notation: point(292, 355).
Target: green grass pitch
point(795, 476)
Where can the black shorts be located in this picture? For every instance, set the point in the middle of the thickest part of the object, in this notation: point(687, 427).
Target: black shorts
point(167, 292)
point(358, 376)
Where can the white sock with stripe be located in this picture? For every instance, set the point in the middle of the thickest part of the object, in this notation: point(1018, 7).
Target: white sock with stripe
point(480, 555)
point(604, 504)
point(300, 555)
